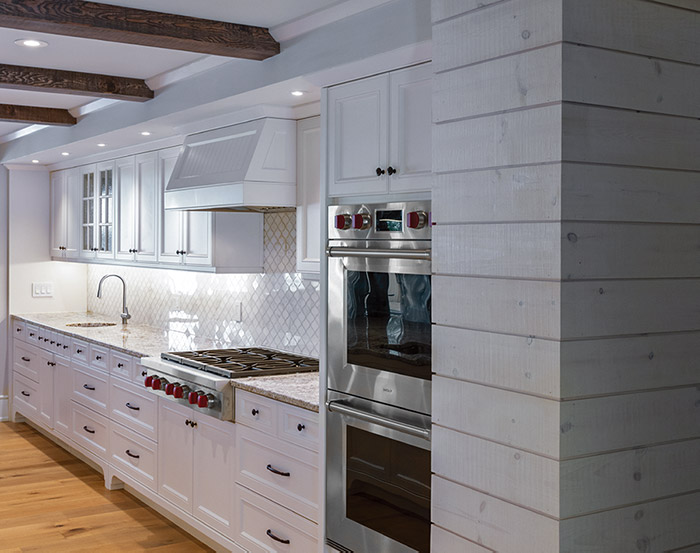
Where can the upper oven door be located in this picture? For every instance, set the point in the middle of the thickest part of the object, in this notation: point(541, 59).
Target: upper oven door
point(379, 321)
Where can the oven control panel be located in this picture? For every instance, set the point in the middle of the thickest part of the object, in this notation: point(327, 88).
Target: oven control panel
point(392, 221)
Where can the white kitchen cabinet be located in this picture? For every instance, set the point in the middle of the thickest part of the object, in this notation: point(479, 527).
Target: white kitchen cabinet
point(309, 195)
point(201, 480)
point(46, 381)
point(97, 219)
point(379, 134)
point(65, 214)
point(136, 192)
point(62, 391)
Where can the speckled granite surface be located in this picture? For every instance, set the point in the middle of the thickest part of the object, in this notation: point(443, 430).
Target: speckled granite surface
point(296, 389)
point(144, 341)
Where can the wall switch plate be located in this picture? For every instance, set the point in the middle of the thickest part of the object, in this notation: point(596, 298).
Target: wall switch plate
point(42, 289)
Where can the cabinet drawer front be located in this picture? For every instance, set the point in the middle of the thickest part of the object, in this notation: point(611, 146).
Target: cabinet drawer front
point(256, 411)
point(99, 357)
point(299, 426)
point(133, 408)
point(259, 521)
point(262, 458)
point(91, 388)
point(32, 335)
point(80, 351)
point(121, 364)
point(19, 330)
point(43, 337)
point(90, 430)
point(26, 360)
point(62, 344)
point(26, 397)
point(133, 454)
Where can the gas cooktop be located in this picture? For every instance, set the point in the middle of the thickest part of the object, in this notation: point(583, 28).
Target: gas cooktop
point(242, 362)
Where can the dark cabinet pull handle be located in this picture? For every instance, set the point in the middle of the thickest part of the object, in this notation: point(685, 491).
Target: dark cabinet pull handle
point(26, 359)
point(31, 334)
point(184, 252)
point(255, 412)
point(88, 430)
point(52, 342)
point(58, 344)
point(380, 171)
point(88, 387)
point(273, 470)
point(132, 407)
point(65, 347)
point(272, 535)
point(128, 452)
point(391, 170)
point(18, 329)
point(78, 351)
point(120, 365)
point(98, 357)
point(50, 364)
point(300, 427)
point(187, 422)
point(143, 373)
point(25, 393)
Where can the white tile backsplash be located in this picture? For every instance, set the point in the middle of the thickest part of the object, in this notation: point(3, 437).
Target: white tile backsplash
point(279, 309)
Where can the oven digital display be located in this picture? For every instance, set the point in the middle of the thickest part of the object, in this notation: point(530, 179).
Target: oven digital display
point(390, 220)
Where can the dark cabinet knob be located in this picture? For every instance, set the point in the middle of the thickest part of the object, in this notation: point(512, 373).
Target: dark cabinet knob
point(255, 412)
point(380, 171)
point(18, 329)
point(120, 365)
point(391, 170)
point(78, 351)
point(300, 427)
point(98, 357)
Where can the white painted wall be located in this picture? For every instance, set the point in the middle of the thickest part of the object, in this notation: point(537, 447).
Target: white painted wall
point(29, 260)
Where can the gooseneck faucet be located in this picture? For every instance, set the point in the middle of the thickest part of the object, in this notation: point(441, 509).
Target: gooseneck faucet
point(125, 312)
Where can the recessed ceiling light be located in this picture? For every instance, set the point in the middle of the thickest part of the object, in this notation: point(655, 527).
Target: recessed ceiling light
point(145, 133)
point(35, 161)
point(65, 153)
point(298, 93)
point(101, 145)
point(31, 43)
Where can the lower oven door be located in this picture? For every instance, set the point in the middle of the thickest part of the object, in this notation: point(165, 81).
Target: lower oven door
point(378, 477)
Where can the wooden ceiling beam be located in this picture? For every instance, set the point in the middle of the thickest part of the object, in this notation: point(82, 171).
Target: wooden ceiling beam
point(73, 82)
point(132, 26)
point(36, 115)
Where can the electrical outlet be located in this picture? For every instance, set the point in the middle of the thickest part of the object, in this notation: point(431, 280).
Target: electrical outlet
point(42, 289)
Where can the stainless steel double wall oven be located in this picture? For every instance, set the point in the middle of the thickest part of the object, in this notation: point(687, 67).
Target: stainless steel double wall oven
point(379, 378)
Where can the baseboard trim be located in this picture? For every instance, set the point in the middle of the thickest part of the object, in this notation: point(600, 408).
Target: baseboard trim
point(4, 408)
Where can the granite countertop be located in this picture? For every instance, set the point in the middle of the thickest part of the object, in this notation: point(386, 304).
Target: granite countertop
point(300, 389)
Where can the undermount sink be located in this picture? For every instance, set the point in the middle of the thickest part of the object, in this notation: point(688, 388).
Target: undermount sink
point(91, 325)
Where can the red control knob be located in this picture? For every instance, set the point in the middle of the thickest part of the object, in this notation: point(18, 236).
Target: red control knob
point(169, 388)
point(203, 401)
point(148, 382)
point(343, 222)
point(157, 383)
point(416, 219)
point(178, 392)
point(192, 397)
point(361, 221)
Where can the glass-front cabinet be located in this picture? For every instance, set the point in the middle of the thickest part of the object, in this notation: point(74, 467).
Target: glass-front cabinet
point(97, 189)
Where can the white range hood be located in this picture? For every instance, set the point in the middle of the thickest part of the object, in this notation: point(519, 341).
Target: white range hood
point(246, 167)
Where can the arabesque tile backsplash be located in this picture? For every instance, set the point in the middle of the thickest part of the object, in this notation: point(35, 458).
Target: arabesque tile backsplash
point(277, 309)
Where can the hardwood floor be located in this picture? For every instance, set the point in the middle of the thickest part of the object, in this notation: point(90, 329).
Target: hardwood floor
point(52, 502)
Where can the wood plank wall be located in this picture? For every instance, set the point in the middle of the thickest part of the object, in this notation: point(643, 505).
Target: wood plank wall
point(566, 400)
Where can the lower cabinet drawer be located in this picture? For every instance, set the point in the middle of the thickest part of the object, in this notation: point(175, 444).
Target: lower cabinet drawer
point(91, 388)
point(90, 430)
point(262, 526)
point(26, 359)
point(25, 397)
point(133, 454)
point(285, 473)
point(131, 406)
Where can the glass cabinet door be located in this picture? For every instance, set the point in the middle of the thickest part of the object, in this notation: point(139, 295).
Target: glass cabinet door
point(105, 211)
point(88, 216)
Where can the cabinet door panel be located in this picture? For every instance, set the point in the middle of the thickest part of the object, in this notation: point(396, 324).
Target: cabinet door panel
point(63, 389)
point(170, 231)
point(357, 129)
point(87, 212)
point(175, 440)
point(46, 368)
point(309, 195)
point(147, 207)
point(410, 129)
point(72, 213)
point(198, 233)
point(104, 201)
point(58, 218)
point(126, 208)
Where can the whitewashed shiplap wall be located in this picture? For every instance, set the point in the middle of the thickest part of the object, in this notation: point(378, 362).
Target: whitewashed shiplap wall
point(567, 288)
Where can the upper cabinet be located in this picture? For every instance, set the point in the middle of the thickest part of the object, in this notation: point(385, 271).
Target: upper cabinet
point(379, 134)
point(97, 188)
point(309, 195)
point(65, 214)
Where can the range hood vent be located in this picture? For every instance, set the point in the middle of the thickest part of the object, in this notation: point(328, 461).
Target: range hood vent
point(245, 167)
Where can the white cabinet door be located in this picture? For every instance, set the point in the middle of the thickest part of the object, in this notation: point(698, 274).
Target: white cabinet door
point(358, 137)
point(88, 246)
point(146, 244)
point(71, 214)
point(410, 129)
point(309, 195)
point(104, 216)
point(58, 218)
point(175, 454)
point(213, 473)
point(63, 387)
point(125, 185)
point(197, 238)
point(46, 370)
point(170, 231)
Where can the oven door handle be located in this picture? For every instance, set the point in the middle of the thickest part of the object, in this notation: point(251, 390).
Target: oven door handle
point(342, 251)
point(335, 406)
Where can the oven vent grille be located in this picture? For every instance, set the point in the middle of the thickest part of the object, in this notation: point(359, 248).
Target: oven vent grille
point(340, 548)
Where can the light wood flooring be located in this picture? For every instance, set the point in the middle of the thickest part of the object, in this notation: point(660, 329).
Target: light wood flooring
point(50, 501)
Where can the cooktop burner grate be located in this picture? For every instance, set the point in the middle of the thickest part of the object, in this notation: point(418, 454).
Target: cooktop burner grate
point(242, 362)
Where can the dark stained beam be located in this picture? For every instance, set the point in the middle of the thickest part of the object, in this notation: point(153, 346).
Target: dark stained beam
point(31, 114)
point(147, 28)
point(72, 82)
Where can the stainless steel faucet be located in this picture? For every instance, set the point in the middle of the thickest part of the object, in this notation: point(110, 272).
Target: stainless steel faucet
point(125, 312)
